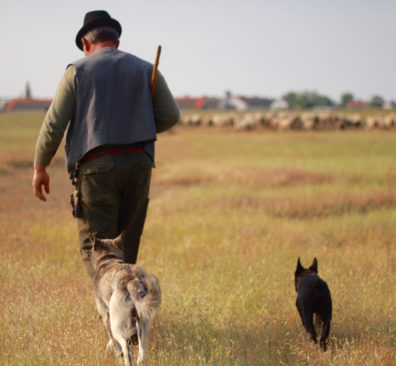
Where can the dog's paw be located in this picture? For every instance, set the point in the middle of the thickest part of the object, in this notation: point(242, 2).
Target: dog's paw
point(113, 348)
point(140, 359)
point(141, 356)
point(323, 346)
point(109, 346)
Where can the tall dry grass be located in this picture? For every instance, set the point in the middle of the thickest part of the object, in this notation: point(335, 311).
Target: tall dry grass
point(229, 215)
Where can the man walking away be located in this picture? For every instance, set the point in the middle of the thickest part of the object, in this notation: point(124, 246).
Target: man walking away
point(104, 104)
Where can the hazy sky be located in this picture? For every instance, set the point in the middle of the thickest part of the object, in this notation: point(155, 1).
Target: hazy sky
point(251, 47)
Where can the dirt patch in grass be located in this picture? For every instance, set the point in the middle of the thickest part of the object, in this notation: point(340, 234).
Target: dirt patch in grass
point(20, 164)
point(274, 178)
point(311, 207)
point(183, 181)
point(248, 177)
point(24, 164)
point(4, 171)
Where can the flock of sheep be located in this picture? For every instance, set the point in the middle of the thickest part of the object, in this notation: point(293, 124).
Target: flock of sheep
point(285, 120)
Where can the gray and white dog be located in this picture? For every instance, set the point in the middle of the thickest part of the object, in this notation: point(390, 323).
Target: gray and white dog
point(126, 297)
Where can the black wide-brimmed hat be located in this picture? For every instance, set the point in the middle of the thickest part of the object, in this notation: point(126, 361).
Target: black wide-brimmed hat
point(94, 19)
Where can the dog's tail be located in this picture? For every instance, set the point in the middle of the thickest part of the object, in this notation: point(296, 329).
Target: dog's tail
point(146, 295)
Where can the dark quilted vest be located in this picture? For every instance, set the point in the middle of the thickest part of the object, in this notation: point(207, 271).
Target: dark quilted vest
point(114, 105)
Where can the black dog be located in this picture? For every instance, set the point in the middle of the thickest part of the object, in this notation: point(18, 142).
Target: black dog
point(313, 297)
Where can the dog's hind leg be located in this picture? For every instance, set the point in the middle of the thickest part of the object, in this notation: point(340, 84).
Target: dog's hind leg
point(143, 330)
point(126, 351)
point(308, 324)
point(324, 335)
point(122, 341)
point(121, 322)
point(299, 311)
point(105, 318)
point(112, 344)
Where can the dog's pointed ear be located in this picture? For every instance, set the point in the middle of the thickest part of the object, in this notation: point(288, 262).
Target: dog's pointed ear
point(314, 266)
point(92, 238)
point(119, 240)
point(96, 242)
point(299, 267)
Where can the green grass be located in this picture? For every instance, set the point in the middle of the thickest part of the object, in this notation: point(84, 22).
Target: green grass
point(230, 212)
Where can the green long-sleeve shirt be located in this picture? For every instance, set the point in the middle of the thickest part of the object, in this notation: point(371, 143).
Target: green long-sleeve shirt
point(63, 107)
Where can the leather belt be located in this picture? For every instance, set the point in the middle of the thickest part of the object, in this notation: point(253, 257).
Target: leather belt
point(111, 151)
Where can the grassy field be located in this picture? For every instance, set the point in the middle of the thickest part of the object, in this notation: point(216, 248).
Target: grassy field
point(230, 212)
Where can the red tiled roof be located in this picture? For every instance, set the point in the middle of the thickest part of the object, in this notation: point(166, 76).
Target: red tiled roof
point(357, 103)
point(28, 104)
point(197, 103)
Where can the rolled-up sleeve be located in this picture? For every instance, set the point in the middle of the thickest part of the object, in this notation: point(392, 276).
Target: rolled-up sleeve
point(166, 111)
point(56, 120)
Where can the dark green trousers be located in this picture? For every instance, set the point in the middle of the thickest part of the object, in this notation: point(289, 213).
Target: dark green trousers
point(114, 197)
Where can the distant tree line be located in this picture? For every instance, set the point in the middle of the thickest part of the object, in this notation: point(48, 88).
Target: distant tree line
point(28, 90)
point(307, 99)
point(312, 99)
point(375, 101)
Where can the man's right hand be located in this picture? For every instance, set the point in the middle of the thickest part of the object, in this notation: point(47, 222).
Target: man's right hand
point(40, 179)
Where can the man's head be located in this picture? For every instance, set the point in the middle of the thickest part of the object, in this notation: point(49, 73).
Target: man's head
point(98, 38)
point(99, 30)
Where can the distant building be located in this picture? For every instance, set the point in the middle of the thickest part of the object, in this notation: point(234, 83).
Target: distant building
point(233, 103)
point(257, 102)
point(27, 104)
point(357, 104)
point(197, 103)
point(389, 105)
point(279, 104)
point(3, 104)
point(230, 102)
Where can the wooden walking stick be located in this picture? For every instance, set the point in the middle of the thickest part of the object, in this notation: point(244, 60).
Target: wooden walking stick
point(155, 68)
